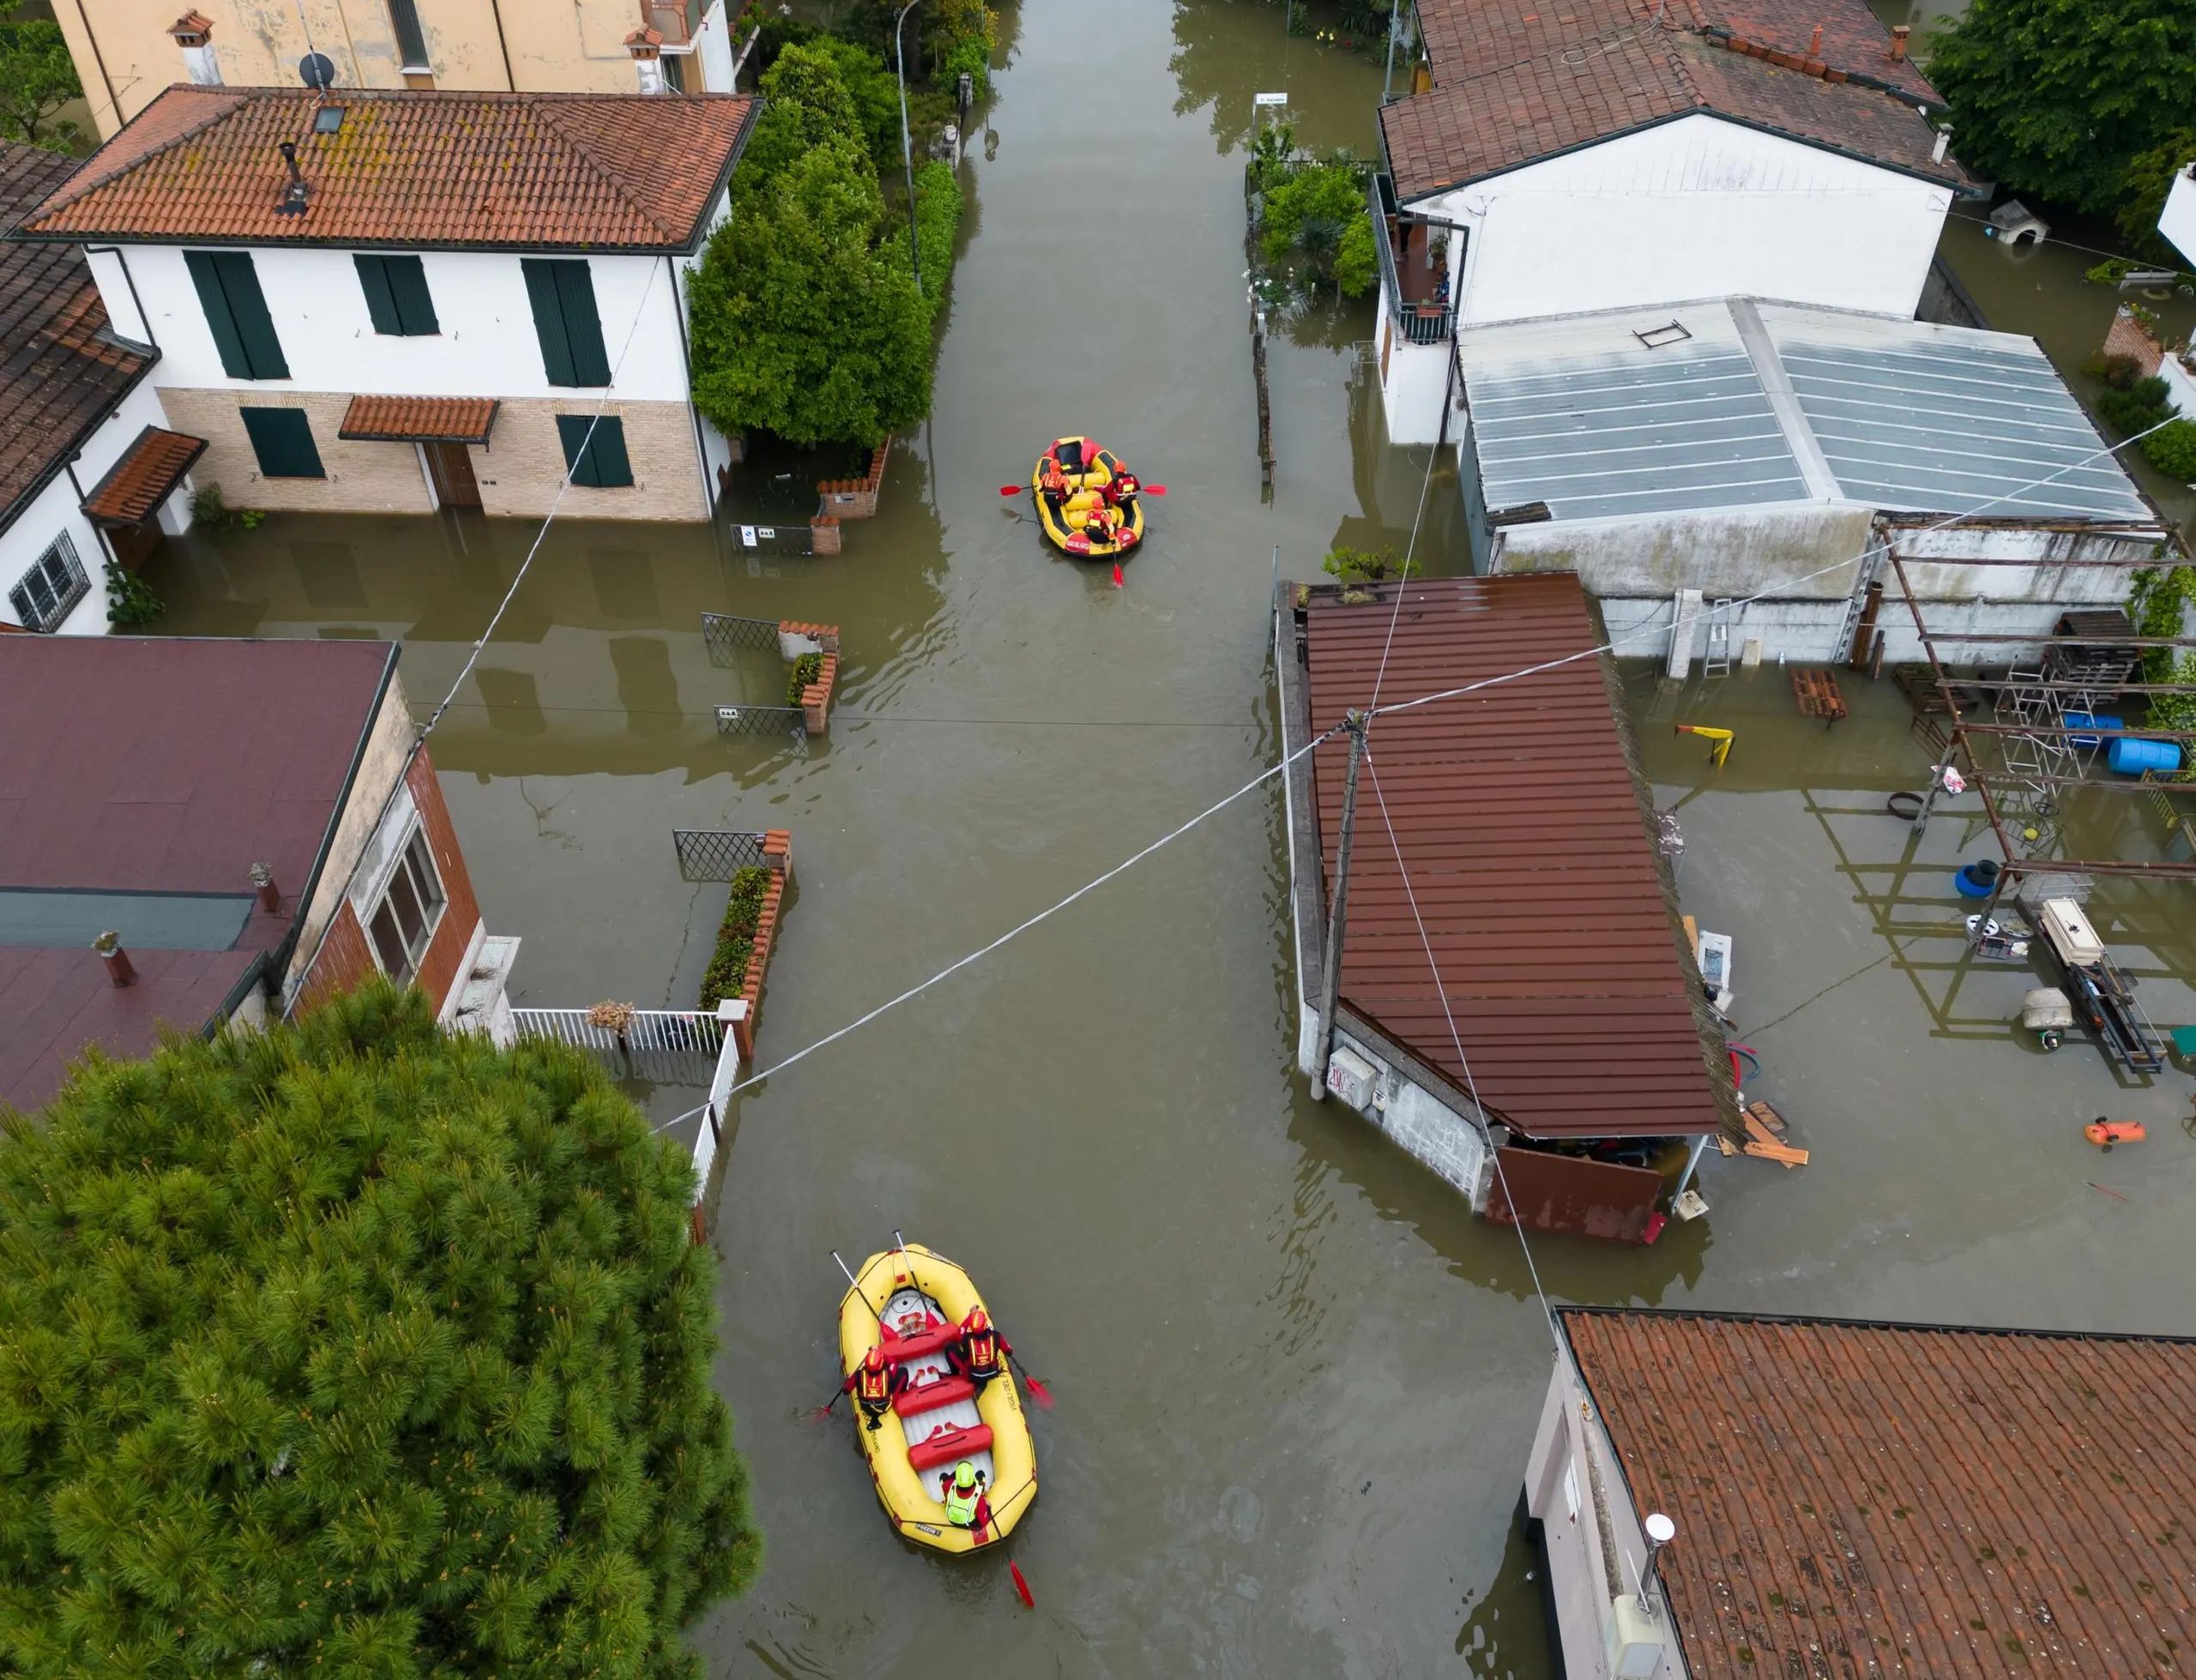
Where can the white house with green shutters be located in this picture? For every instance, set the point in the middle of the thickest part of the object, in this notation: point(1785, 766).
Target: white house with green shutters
point(396, 301)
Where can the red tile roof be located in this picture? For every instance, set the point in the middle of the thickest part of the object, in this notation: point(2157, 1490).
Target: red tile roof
point(135, 485)
point(1517, 812)
point(418, 420)
point(62, 371)
point(1515, 81)
point(420, 169)
point(1901, 1500)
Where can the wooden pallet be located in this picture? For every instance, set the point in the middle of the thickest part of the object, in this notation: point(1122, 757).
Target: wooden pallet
point(1765, 1126)
point(1816, 693)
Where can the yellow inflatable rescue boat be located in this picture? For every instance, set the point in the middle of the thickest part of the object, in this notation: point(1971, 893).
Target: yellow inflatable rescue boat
point(910, 1303)
point(1087, 501)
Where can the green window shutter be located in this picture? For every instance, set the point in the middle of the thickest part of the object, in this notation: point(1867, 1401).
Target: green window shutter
point(408, 288)
point(582, 324)
point(206, 277)
point(254, 327)
point(282, 439)
point(373, 280)
point(599, 462)
point(549, 320)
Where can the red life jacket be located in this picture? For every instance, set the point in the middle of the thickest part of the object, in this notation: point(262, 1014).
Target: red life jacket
point(875, 1385)
point(982, 1350)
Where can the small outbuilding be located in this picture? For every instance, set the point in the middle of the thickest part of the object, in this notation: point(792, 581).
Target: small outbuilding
point(1517, 1004)
point(1839, 1497)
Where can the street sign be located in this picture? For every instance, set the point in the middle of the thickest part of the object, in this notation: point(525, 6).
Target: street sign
point(747, 536)
point(1270, 99)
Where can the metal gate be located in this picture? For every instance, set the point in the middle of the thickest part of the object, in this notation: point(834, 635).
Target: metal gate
point(726, 635)
point(718, 854)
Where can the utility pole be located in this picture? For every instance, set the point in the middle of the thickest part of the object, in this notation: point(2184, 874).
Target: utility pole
point(907, 145)
point(1331, 986)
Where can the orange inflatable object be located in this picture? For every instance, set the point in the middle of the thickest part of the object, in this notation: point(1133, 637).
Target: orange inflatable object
point(2105, 1133)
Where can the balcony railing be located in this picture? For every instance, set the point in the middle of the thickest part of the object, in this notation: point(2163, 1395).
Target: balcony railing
point(1420, 321)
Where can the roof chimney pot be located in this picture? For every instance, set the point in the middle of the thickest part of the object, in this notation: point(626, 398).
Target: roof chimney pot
point(1899, 41)
point(1814, 43)
point(194, 32)
point(1943, 144)
point(119, 970)
point(270, 895)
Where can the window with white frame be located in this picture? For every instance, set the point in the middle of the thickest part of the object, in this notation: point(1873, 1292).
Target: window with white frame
point(402, 924)
point(44, 596)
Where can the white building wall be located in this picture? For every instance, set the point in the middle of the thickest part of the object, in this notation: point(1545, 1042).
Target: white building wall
point(2178, 223)
point(487, 345)
point(1413, 383)
point(57, 511)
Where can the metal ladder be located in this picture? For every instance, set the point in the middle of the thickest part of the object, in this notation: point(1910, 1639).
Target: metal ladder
point(1716, 655)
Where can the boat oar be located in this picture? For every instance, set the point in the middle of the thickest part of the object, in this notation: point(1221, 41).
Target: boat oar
point(889, 1332)
point(1020, 1586)
point(1012, 490)
point(1038, 1391)
point(1155, 490)
point(824, 1410)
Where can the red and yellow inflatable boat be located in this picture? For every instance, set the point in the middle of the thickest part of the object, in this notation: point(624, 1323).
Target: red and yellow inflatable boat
point(1088, 503)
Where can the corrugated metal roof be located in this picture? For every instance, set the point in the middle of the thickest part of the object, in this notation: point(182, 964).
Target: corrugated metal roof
point(1929, 419)
point(1515, 812)
point(1584, 415)
point(1912, 1500)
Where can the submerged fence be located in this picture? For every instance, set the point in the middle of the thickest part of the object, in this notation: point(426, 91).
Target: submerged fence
point(725, 636)
point(717, 854)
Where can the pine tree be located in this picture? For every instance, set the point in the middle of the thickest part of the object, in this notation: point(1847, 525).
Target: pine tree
point(353, 1350)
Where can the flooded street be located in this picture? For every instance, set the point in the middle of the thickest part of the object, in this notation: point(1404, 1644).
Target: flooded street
point(1296, 1379)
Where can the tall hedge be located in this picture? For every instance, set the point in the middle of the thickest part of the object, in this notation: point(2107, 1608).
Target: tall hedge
point(354, 1350)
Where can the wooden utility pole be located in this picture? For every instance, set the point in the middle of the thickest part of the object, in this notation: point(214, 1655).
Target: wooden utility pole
point(1330, 981)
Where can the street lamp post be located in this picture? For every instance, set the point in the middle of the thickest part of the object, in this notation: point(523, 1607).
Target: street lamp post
point(907, 145)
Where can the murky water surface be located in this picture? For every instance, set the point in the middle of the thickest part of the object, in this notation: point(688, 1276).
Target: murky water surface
point(1296, 1381)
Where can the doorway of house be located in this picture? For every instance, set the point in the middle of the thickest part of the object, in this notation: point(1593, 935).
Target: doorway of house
point(451, 467)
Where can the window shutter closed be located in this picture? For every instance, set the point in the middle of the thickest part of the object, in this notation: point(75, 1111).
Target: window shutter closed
point(566, 321)
point(397, 297)
point(282, 439)
point(598, 461)
point(373, 280)
point(243, 332)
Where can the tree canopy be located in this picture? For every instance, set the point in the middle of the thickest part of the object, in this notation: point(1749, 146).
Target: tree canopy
point(2059, 98)
point(352, 1349)
point(37, 79)
point(805, 319)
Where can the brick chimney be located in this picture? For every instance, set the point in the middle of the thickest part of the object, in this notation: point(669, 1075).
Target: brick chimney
point(119, 970)
point(194, 33)
point(647, 47)
point(1899, 41)
point(1814, 43)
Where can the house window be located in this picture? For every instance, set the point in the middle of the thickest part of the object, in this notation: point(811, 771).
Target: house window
point(595, 451)
point(397, 296)
point(565, 321)
point(403, 924)
point(410, 39)
point(282, 439)
point(236, 309)
point(46, 592)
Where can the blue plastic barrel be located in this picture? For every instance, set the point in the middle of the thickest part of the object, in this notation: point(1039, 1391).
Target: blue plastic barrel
point(1977, 879)
point(2131, 757)
point(2084, 720)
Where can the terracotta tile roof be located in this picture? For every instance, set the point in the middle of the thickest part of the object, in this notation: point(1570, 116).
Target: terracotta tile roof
point(1903, 1500)
point(61, 371)
point(1515, 810)
point(419, 169)
point(1516, 79)
point(418, 420)
point(135, 485)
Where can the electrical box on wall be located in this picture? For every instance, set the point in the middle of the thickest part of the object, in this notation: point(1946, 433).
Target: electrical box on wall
point(1635, 1641)
point(1351, 1077)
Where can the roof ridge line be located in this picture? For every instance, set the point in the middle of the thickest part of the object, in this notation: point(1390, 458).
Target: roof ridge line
point(550, 109)
point(86, 180)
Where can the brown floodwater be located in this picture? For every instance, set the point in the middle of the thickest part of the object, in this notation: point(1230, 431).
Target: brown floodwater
point(1296, 1380)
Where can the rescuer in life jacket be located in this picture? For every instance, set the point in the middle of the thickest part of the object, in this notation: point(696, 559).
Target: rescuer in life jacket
point(1122, 490)
point(980, 1351)
point(873, 1384)
point(1050, 478)
point(961, 1492)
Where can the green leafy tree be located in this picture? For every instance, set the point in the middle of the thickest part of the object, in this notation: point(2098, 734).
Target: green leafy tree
point(1357, 265)
point(805, 106)
point(1319, 214)
point(2058, 98)
point(804, 322)
point(354, 1350)
point(36, 80)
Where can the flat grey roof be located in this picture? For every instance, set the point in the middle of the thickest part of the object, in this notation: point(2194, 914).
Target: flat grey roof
point(1730, 403)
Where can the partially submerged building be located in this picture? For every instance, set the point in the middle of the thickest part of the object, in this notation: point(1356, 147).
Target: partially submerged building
point(1518, 1006)
point(1855, 1498)
point(1736, 448)
point(238, 826)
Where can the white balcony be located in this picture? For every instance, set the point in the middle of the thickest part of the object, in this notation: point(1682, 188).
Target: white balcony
point(2178, 223)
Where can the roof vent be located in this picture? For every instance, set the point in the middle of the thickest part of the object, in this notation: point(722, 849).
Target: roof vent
point(328, 119)
point(1898, 35)
point(109, 946)
point(294, 194)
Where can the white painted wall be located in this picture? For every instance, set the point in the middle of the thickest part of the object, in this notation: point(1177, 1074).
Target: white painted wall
point(2178, 223)
point(55, 511)
point(713, 51)
point(1698, 208)
point(1414, 385)
point(487, 345)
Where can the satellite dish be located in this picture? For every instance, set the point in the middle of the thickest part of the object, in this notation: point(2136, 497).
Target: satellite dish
point(1661, 1530)
point(317, 70)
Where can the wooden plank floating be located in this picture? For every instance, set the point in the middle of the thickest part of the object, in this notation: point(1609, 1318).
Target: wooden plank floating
point(1764, 1124)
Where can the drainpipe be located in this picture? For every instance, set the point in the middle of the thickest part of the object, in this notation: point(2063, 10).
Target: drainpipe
point(99, 61)
point(1331, 982)
point(495, 11)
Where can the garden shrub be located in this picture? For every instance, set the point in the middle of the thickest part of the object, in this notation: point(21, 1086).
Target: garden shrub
point(728, 969)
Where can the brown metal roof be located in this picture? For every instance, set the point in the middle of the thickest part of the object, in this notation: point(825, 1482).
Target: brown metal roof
point(1515, 80)
point(62, 371)
point(59, 1003)
point(418, 420)
point(135, 485)
point(1904, 1500)
point(533, 170)
point(1515, 810)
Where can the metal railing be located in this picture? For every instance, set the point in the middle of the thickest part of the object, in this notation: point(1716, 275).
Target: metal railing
point(648, 1032)
point(725, 636)
point(718, 854)
point(764, 720)
point(1415, 323)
